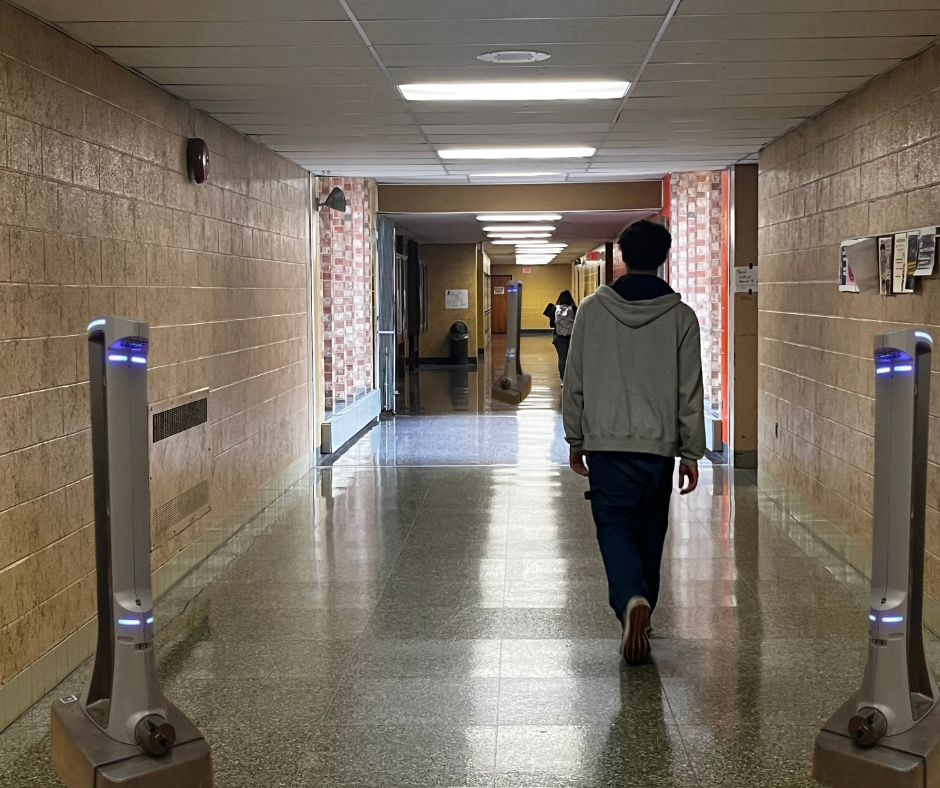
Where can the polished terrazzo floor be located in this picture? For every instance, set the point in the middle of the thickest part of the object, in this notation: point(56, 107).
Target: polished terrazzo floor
point(431, 611)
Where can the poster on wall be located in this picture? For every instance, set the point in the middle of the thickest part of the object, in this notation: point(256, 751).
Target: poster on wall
point(900, 283)
point(913, 251)
point(885, 258)
point(926, 252)
point(860, 265)
point(457, 299)
point(846, 276)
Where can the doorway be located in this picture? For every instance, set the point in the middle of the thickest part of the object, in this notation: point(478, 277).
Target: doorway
point(500, 302)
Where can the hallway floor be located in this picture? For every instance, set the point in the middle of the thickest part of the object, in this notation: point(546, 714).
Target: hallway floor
point(431, 611)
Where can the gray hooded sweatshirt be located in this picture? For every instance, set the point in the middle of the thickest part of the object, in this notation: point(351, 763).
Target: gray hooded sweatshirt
point(634, 378)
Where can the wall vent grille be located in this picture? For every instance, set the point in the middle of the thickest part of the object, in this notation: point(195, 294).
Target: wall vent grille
point(180, 507)
point(179, 419)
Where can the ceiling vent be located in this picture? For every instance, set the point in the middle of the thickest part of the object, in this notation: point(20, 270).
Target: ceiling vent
point(514, 56)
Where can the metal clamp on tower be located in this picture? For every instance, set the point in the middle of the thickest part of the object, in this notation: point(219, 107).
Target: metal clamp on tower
point(514, 386)
point(122, 730)
point(888, 735)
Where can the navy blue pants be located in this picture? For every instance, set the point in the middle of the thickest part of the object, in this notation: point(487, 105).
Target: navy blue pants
point(629, 497)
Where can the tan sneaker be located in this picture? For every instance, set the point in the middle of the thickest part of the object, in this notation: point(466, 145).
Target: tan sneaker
point(635, 645)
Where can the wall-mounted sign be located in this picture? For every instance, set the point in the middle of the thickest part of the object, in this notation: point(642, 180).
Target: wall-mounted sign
point(457, 299)
point(499, 291)
point(745, 280)
point(593, 257)
point(527, 270)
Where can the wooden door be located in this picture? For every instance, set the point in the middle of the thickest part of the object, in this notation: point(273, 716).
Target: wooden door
point(500, 302)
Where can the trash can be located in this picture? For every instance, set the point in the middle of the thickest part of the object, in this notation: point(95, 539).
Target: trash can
point(459, 342)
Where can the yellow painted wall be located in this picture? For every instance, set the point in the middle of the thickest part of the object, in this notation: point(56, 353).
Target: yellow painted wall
point(450, 267)
point(539, 289)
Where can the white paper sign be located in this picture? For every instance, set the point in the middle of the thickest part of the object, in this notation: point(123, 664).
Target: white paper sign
point(499, 291)
point(457, 299)
point(745, 280)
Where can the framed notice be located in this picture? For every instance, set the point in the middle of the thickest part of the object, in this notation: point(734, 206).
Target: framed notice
point(499, 291)
point(457, 299)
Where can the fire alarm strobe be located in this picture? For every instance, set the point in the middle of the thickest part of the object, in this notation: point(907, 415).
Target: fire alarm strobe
point(122, 731)
point(197, 160)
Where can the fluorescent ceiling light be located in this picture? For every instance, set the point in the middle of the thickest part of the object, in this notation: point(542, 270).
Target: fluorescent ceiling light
point(519, 236)
point(520, 217)
point(520, 228)
point(515, 174)
point(514, 91)
point(516, 242)
point(517, 153)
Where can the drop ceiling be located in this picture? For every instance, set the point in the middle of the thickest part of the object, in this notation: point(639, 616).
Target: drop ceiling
point(715, 80)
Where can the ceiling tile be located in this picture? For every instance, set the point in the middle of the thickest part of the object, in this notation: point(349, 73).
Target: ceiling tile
point(748, 87)
point(790, 49)
point(430, 54)
point(848, 24)
point(696, 7)
point(177, 10)
point(767, 69)
point(283, 92)
point(366, 10)
point(243, 57)
point(516, 33)
point(183, 34)
point(349, 77)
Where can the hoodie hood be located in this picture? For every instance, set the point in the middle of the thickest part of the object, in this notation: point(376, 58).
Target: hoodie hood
point(636, 314)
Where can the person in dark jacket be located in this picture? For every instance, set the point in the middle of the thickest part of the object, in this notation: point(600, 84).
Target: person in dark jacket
point(561, 318)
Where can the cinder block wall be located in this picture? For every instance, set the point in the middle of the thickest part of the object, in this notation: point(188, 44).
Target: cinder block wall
point(868, 165)
point(97, 216)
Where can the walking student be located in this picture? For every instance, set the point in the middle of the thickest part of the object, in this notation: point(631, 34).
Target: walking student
point(561, 318)
point(633, 403)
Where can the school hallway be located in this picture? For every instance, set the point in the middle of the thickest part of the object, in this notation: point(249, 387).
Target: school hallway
point(432, 611)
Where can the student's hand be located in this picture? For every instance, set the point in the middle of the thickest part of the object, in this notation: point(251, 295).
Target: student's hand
point(576, 461)
point(688, 478)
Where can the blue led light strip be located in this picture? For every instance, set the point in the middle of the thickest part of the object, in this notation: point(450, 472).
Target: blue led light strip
point(892, 619)
point(138, 359)
point(904, 368)
point(117, 357)
point(882, 370)
point(129, 622)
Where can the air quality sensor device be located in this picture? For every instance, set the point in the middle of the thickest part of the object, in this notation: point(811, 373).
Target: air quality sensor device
point(122, 730)
point(514, 385)
point(887, 735)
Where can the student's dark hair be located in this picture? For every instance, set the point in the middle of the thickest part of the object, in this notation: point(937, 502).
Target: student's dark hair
point(565, 298)
point(645, 245)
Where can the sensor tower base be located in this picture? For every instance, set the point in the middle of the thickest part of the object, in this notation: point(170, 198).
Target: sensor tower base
point(908, 760)
point(85, 757)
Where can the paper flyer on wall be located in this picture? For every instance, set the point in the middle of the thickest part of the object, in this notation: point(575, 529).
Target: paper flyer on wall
point(885, 260)
point(901, 283)
point(913, 250)
point(926, 252)
point(846, 277)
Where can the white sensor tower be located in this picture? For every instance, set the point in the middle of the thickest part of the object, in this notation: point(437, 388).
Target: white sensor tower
point(122, 730)
point(514, 386)
point(887, 735)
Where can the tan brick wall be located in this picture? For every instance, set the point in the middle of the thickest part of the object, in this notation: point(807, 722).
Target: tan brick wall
point(97, 216)
point(868, 165)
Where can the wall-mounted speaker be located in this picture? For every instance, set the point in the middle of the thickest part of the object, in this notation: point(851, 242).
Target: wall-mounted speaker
point(197, 160)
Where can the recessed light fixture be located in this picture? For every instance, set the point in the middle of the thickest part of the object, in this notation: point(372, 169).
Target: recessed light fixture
point(517, 242)
point(572, 152)
point(519, 236)
point(520, 228)
point(514, 91)
point(520, 217)
point(514, 56)
point(515, 175)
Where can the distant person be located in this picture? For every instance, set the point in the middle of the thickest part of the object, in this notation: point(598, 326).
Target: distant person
point(561, 318)
point(632, 404)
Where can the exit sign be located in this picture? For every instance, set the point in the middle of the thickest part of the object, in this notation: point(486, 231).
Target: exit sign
point(593, 256)
point(527, 270)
